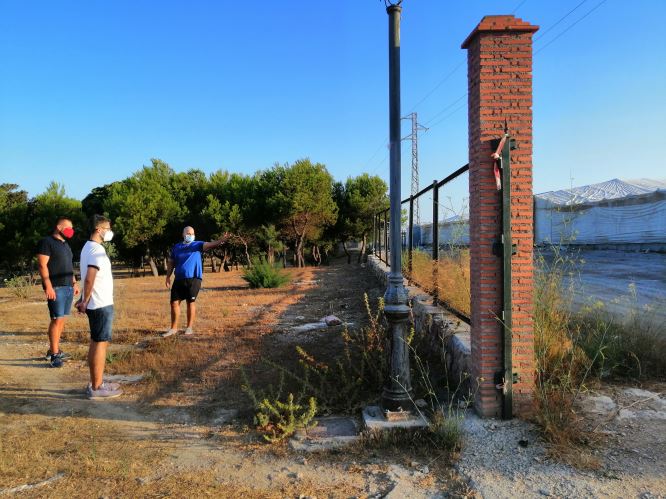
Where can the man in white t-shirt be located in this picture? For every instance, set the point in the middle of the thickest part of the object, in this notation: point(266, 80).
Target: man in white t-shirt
point(97, 303)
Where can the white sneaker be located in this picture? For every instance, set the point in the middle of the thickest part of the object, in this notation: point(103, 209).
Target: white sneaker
point(111, 385)
point(189, 331)
point(103, 392)
point(168, 333)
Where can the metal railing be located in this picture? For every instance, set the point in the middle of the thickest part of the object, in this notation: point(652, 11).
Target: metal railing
point(381, 226)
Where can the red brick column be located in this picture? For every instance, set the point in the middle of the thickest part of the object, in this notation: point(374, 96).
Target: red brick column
point(499, 55)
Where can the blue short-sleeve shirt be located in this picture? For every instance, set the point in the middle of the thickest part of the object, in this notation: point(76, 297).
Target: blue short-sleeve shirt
point(187, 260)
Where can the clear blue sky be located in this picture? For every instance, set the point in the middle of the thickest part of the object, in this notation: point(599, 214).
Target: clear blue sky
point(91, 90)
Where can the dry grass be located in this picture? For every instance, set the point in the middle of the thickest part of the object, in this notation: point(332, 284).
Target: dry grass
point(96, 460)
point(574, 351)
point(450, 273)
point(197, 375)
point(231, 321)
point(234, 329)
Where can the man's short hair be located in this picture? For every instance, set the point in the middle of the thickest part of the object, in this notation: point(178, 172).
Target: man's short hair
point(61, 219)
point(98, 220)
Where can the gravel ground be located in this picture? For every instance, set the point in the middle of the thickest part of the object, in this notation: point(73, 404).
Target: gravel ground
point(507, 458)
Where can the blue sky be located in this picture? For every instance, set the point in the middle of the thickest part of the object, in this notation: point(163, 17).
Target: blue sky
point(91, 90)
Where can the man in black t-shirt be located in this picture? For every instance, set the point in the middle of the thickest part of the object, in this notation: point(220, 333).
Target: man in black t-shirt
point(54, 257)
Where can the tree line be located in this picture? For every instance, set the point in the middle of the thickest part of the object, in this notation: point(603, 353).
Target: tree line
point(292, 207)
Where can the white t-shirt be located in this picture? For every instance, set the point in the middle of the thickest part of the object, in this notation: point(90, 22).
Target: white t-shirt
point(94, 255)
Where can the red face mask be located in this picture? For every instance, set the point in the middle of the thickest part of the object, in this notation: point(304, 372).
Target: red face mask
point(68, 232)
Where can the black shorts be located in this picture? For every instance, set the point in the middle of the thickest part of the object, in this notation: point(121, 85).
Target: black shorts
point(185, 289)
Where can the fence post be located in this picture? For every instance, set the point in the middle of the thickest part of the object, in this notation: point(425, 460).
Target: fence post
point(410, 236)
point(386, 239)
point(379, 236)
point(374, 233)
point(499, 58)
point(435, 241)
point(382, 227)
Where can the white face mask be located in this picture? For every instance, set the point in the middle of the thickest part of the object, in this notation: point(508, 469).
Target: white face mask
point(108, 235)
point(188, 238)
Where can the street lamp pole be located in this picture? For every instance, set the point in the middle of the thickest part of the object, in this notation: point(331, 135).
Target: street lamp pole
point(397, 390)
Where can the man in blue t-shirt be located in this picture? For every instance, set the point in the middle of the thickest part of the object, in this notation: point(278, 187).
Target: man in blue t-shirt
point(186, 260)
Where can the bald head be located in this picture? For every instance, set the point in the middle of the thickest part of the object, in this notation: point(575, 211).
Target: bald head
point(188, 234)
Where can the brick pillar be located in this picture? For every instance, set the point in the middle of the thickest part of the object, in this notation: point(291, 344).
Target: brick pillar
point(499, 58)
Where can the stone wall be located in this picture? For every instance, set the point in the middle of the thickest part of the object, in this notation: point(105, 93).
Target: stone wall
point(446, 334)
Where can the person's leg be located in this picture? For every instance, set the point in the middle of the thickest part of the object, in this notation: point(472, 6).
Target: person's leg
point(96, 361)
point(59, 309)
point(175, 313)
point(56, 328)
point(191, 313)
point(101, 331)
point(193, 290)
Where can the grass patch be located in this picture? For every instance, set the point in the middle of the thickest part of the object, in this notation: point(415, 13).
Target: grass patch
point(631, 347)
point(449, 276)
point(90, 452)
point(96, 459)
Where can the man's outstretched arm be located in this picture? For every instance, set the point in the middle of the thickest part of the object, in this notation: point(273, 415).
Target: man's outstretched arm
point(214, 244)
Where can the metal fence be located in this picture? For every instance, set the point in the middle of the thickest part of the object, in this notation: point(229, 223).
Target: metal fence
point(382, 222)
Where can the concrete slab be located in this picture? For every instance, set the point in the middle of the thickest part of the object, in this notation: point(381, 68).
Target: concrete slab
point(330, 433)
point(374, 419)
point(312, 326)
point(223, 416)
point(125, 378)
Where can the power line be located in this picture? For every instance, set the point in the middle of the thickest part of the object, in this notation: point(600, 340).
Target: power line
point(543, 33)
point(448, 115)
point(374, 170)
point(446, 108)
point(518, 7)
point(439, 84)
point(383, 144)
point(571, 26)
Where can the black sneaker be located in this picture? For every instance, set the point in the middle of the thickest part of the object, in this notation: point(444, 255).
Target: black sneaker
point(61, 354)
point(56, 360)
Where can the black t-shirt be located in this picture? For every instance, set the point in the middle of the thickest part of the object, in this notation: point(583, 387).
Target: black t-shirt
point(61, 270)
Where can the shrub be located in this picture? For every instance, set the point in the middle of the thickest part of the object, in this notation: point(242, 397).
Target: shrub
point(20, 286)
point(275, 419)
point(562, 365)
point(264, 275)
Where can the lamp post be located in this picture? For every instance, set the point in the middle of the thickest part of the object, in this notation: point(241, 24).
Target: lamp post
point(397, 390)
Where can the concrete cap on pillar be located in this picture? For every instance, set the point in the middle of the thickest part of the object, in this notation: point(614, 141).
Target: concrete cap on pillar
point(491, 24)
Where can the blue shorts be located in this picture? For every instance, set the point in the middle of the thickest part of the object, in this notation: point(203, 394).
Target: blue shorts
point(62, 305)
point(101, 323)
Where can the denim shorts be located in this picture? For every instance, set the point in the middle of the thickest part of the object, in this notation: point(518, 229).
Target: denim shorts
point(62, 305)
point(101, 323)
